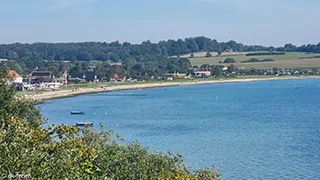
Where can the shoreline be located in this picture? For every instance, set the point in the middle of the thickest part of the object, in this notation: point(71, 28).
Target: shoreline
point(42, 97)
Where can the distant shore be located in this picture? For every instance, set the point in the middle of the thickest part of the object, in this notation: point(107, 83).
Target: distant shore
point(72, 92)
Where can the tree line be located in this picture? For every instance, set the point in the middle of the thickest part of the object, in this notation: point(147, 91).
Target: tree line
point(116, 51)
point(139, 60)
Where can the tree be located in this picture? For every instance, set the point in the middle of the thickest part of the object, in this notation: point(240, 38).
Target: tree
point(271, 48)
point(103, 51)
point(191, 55)
point(208, 54)
point(195, 67)
point(275, 69)
point(229, 60)
point(205, 67)
point(217, 71)
point(12, 55)
point(231, 68)
point(290, 48)
point(184, 64)
point(191, 45)
point(12, 107)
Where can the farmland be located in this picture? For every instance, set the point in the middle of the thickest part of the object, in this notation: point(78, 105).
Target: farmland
point(289, 60)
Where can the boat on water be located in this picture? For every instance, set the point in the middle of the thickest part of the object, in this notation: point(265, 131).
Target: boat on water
point(76, 112)
point(84, 123)
point(297, 87)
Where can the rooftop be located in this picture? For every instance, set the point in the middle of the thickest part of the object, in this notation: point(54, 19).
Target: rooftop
point(13, 74)
point(41, 73)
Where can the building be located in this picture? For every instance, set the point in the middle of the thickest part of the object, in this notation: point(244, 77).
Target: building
point(118, 78)
point(17, 79)
point(83, 77)
point(171, 76)
point(201, 73)
point(41, 77)
point(229, 50)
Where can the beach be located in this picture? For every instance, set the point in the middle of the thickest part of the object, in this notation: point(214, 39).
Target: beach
point(46, 95)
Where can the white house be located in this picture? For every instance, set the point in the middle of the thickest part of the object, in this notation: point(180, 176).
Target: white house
point(15, 76)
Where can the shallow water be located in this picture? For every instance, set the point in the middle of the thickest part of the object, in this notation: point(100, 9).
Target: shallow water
point(246, 130)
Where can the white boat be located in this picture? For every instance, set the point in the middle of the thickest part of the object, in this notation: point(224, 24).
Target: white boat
point(84, 123)
point(76, 112)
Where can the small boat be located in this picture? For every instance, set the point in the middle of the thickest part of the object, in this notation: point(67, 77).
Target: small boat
point(297, 87)
point(84, 123)
point(77, 112)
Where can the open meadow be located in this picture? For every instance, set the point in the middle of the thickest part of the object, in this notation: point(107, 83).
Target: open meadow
point(289, 60)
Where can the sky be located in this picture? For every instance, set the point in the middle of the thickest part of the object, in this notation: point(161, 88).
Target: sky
point(252, 22)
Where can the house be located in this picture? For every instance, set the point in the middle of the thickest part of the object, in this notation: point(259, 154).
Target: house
point(171, 76)
point(228, 50)
point(181, 75)
point(41, 76)
point(118, 78)
point(76, 77)
point(17, 79)
point(83, 77)
point(201, 73)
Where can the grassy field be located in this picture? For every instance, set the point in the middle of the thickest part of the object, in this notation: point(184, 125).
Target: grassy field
point(290, 60)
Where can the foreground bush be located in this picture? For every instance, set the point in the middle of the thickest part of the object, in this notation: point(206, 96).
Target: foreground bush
point(61, 152)
point(67, 152)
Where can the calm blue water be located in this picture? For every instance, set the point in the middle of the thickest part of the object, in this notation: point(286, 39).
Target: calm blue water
point(246, 130)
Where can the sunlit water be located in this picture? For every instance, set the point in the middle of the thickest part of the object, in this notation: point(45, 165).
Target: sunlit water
point(246, 130)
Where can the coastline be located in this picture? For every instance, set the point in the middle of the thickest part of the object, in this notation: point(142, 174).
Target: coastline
point(42, 97)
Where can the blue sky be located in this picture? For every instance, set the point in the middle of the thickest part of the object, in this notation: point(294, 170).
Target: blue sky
point(266, 22)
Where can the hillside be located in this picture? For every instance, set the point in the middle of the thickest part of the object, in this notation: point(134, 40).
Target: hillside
point(289, 60)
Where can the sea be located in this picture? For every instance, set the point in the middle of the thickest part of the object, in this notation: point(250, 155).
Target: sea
point(248, 130)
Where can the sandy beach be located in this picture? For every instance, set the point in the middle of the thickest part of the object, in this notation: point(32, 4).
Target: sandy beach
point(67, 93)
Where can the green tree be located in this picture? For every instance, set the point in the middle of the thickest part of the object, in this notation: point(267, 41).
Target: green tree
point(232, 68)
point(17, 68)
point(191, 55)
point(12, 55)
point(229, 60)
point(129, 65)
point(13, 107)
point(217, 71)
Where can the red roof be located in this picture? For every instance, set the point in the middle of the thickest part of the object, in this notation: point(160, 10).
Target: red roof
point(116, 76)
point(13, 74)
